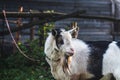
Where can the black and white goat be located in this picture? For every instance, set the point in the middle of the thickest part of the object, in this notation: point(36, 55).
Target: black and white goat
point(68, 56)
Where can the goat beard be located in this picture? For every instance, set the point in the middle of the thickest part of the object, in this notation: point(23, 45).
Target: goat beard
point(65, 64)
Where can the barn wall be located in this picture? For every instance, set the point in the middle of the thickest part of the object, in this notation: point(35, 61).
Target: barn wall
point(90, 29)
point(117, 24)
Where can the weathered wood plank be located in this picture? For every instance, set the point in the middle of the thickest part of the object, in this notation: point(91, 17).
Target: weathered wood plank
point(93, 32)
point(96, 38)
point(85, 25)
point(73, 1)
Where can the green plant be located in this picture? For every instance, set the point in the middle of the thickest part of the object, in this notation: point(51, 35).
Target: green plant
point(17, 67)
point(48, 27)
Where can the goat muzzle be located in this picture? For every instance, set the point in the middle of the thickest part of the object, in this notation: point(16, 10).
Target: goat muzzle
point(69, 53)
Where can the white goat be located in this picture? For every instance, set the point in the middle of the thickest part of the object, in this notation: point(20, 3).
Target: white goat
point(111, 60)
point(68, 56)
point(57, 44)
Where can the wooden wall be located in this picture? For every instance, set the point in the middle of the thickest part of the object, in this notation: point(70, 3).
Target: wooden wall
point(117, 15)
point(90, 29)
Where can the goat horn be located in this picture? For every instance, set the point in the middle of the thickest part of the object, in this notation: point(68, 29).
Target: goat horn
point(72, 29)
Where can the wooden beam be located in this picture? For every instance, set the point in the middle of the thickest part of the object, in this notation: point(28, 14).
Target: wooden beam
point(105, 18)
point(39, 22)
point(30, 14)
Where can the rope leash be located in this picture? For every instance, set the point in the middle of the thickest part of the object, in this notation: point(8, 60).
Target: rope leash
point(4, 13)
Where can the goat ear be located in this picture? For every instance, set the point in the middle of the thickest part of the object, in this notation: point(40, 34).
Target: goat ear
point(54, 32)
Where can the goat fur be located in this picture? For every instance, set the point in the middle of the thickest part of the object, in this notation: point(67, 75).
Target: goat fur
point(111, 61)
point(80, 57)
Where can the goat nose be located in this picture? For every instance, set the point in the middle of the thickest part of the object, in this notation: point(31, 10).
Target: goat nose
point(72, 49)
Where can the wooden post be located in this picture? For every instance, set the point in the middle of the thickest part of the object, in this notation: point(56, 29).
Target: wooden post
point(32, 32)
point(18, 24)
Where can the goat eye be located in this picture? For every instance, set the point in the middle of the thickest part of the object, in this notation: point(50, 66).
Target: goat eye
point(60, 40)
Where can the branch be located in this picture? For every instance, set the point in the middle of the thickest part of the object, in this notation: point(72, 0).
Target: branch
point(30, 14)
point(28, 25)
